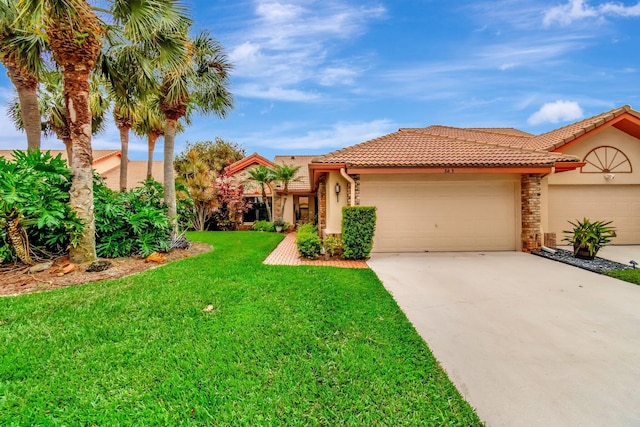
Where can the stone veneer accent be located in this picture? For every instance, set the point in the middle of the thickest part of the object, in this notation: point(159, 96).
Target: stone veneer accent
point(322, 204)
point(530, 190)
point(356, 178)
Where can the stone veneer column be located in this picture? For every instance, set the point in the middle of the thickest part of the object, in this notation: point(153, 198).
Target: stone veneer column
point(530, 204)
point(322, 204)
point(356, 178)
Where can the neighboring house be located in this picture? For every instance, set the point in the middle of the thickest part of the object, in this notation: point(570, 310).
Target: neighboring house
point(107, 164)
point(457, 189)
point(301, 201)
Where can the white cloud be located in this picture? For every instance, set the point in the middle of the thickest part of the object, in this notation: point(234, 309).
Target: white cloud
point(290, 44)
point(341, 134)
point(275, 93)
point(554, 112)
point(576, 10)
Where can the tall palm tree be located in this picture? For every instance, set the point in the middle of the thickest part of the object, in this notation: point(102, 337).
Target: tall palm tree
point(150, 123)
point(285, 174)
point(74, 33)
point(21, 46)
point(263, 176)
point(200, 82)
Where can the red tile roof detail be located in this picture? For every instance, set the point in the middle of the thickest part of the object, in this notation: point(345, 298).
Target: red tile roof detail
point(488, 135)
point(559, 137)
point(253, 159)
point(419, 148)
point(303, 185)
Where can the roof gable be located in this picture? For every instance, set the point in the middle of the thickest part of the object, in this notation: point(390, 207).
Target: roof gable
point(623, 118)
point(253, 159)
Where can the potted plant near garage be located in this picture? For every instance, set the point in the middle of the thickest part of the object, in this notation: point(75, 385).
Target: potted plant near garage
point(588, 237)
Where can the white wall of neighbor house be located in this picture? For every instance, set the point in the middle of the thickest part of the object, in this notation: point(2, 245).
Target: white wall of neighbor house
point(444, 212)
point(599, 196)
point(335, 203)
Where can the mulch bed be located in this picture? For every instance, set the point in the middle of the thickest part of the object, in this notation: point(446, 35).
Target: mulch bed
point(15, 279)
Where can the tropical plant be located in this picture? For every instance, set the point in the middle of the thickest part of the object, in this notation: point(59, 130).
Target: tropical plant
point(199, 82)
point(21, 47)
point(132, 222)
point(264, 226)
point(332, 245)
point(149, 123)
point(285, 174)
point(230, 203)
point(199, 180)
point(35, 215)
point(263, 176)
point(589, 237)
point(217, 155)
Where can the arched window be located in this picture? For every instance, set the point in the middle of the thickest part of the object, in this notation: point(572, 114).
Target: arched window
point(606, 159)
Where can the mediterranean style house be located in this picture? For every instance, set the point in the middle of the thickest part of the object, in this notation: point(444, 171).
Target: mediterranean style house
point(442, 188)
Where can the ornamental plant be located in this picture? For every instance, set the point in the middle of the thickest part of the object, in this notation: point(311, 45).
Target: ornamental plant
point(358, 227)
point(308, 242)
point(589, 237)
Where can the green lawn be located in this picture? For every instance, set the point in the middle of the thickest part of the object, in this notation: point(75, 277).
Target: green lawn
point(282, 346)
point(631, 275)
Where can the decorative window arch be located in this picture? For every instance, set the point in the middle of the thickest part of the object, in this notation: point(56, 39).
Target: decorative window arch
point(606, 159)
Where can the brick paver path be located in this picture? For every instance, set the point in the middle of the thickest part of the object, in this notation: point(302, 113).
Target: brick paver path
point(286, 253)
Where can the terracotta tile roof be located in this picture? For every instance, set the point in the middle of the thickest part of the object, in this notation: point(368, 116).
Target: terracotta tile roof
point(507, 137)
point(419, 148)
point(247, 161)
point(303, 173)
point(559, 137)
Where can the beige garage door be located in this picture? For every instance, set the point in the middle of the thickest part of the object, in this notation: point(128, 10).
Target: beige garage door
point(619, 203)
point(423, 213)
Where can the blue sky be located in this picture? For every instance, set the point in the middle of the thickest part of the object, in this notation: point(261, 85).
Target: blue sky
point(314, 76)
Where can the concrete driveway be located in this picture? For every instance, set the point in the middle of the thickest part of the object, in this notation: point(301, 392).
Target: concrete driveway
point(527, 341)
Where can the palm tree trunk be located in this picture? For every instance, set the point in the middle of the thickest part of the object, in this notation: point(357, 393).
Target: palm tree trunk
point(69, 146)
point(170, 130)
point(124, 159)
point(266, 201)
point(26, 85)
point(76, 87)
point(151, 141)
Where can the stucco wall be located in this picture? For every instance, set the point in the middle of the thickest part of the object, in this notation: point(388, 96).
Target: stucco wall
point(608, 137)
point(335, 204)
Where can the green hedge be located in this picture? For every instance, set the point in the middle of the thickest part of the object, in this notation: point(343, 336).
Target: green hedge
point(264, 226)
point(358, 227)
point(308, 242)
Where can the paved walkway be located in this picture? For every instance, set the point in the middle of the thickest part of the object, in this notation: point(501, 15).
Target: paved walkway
point(286, 253)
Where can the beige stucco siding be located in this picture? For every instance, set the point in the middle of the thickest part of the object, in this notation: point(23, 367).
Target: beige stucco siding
point(335, 203)
point(442, 213)
point(613, 196)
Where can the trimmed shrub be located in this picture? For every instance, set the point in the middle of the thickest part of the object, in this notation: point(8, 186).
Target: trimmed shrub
point(332, 245)
point(307, 228)
point(358, 227)
point(309, 245)
point(264, 225)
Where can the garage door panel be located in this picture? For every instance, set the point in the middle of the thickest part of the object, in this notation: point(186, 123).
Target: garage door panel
point(422, 215)
point(620, 204)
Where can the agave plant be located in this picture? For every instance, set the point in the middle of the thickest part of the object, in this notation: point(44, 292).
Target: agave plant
point(588, 237)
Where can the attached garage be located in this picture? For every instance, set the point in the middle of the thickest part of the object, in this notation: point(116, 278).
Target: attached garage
point(433, 212)
point(617, 203)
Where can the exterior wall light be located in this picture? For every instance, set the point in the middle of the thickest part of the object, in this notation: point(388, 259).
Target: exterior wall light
point(337, 191)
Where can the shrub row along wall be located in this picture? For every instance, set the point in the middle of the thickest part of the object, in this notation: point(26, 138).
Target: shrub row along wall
point(358, 228)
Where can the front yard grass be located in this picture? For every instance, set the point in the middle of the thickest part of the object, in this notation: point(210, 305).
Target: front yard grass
point(221, 339)
point(629, 275)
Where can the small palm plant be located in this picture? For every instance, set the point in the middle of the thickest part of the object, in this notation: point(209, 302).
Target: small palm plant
point(588, 237)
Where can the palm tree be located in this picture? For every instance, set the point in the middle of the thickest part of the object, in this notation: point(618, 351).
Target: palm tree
point(21, 46)
point(263, 176)
point(200, 82)
point(53, 112)
point(74, 33)
point(285, 174)
point(150, 123)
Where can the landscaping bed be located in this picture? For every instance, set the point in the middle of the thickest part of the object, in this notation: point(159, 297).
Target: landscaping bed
point(596, 265)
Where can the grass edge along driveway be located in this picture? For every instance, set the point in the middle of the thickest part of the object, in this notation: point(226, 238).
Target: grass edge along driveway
point(221, 339)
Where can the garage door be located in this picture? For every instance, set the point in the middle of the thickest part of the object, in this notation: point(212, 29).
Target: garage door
point(423, 213)
point(620, 204)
